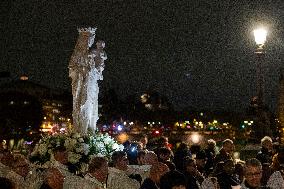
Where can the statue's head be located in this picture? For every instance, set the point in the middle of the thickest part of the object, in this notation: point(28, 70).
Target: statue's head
point(100, 44)
point(91, 32)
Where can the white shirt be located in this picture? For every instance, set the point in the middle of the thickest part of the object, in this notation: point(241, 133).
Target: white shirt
point(142, 170)
point(118, 179)
point(276, 181)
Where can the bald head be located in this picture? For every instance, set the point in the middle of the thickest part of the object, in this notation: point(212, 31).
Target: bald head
point(150, 158)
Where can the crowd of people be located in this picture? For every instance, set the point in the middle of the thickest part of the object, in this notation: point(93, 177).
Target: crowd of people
point(159, 168)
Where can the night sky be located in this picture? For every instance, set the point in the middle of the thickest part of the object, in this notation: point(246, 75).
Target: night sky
point(196, 53)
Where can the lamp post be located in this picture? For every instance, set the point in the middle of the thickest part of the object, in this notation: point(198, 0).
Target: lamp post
point(260, 38)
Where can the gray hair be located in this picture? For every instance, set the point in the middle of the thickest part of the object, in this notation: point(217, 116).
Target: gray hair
point(265, 139)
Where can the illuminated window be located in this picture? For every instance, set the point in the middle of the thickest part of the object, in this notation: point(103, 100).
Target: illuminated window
point(55, 111)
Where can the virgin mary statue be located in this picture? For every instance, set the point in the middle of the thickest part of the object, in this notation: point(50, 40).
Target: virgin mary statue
point(85, 69)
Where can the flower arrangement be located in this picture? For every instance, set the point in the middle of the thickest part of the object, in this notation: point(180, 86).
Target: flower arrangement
point(104, 145)
point(80, 148)
point(44, 148)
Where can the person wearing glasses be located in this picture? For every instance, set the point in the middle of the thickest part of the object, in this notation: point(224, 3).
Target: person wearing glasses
point(253, 174)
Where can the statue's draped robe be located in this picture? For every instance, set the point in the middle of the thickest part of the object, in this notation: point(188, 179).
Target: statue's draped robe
point(85, 75)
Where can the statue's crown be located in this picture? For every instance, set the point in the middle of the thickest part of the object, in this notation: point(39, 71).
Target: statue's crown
point(89, 29)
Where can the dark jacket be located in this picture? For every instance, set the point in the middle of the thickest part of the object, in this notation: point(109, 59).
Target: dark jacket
point(148, 184)
point(227, 181)
point(222, 156)
point(264, 156)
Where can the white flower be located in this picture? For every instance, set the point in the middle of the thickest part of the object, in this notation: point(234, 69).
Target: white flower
point(57, 143)
point(79, 149)
point(86, 148)
point(120, 147)
point(76, 135)
point(50, 151)
point(84, 167)
point(73, 157)
point(70, 144)
point(42, 149)
point(100, 155)
point(107, 140)
point(115, 146)
point(81, 140)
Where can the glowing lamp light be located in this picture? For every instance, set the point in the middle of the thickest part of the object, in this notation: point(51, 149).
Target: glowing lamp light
point(157, 132)
point(119, 128)
point(260, 36)
point(195, 138)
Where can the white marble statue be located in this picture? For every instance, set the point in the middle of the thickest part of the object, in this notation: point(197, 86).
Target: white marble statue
point(85, 69)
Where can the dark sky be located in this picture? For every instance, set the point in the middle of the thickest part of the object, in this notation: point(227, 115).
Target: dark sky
point(196, 53)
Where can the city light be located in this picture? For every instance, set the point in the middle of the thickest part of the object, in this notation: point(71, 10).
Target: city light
point(195, 138)
point(119, 128)
point(260, 36)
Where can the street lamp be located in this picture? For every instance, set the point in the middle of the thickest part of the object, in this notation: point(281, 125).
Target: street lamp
point(260, 38)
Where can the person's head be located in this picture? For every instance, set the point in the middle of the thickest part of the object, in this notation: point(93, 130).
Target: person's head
point(157, 171)
point(7, 158)
point(21, 166)
point(54, 178)
point(163, 141)
point(239, 169)
point(190, 165)
point(182, 146)
point(253, 172)
point(211, 144)
point(119, 160)
point(61, 155)
point(140, 157)
point(229, 167)
point(150, 158)
point(100, 44)
point(228, 146)
point(144, 140)
point(173, 180)
point(164, 154)
point(170, 165)
point(266, 142)
point(6, 183)
point(98, 167)
point(200, 159)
